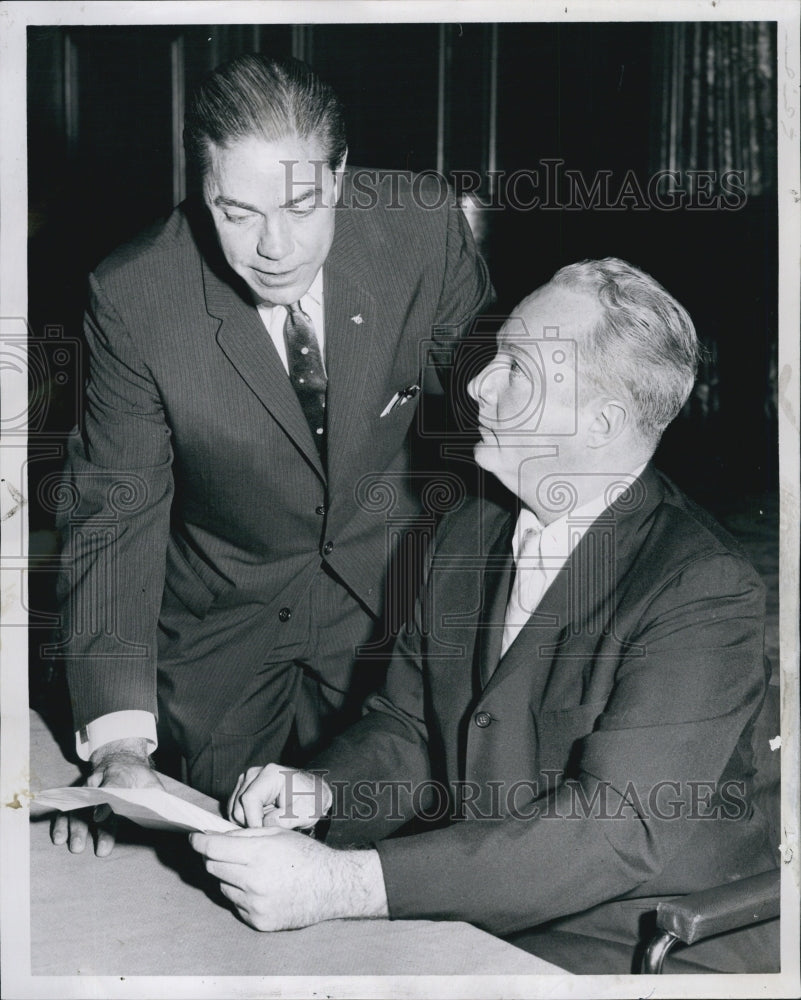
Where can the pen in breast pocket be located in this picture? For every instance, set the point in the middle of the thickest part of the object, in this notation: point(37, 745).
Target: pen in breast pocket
point(400, 397)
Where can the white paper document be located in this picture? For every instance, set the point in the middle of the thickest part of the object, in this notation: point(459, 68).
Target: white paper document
point(152, 807)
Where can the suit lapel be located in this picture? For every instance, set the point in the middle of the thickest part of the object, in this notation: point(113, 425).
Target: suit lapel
point(578, 600)
point(352, 326)
point(247, 345)
point(495, 595)
point(542, 629)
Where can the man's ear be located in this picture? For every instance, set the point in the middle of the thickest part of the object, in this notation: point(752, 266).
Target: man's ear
point(338, 176)
point(609, 422)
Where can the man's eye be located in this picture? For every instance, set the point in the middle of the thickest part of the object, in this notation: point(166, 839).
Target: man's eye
point(515, 369)
point(304, 208)
point(235, 218)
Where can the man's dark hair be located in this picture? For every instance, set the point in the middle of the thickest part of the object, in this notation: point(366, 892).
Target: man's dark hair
point(255, 95)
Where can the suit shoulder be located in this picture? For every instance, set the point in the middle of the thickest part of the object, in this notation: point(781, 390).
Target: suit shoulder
point(145, 254)
point(691, 535)
point(401, 224)
point(388, 209)
point(423, 193)
point(473, 527)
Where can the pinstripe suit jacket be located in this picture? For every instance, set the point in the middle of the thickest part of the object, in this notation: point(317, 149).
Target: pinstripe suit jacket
point(199, 507)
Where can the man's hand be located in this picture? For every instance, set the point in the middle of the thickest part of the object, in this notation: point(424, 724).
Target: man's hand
point(121, 764)
point(279, 796)
point(280, 880)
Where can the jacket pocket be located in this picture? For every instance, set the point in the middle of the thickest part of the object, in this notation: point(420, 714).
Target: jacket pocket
point(185, 582)
point(401, 396)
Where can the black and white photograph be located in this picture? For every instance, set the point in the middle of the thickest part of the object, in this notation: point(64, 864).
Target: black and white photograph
point(400, 499)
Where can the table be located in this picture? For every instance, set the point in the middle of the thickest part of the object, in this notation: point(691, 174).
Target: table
point(151, 909)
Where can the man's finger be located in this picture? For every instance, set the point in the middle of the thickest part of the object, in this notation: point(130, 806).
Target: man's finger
point(235, 895)
point(228, 873)
point(106, 836)
point(263, 790)
point(235, 813)
point(217, 846)
point(253, 805)
point(79, 831)
point(60, 829)
point(229, 846)
point(256, 831)
point(102, 813)
point(271, 816)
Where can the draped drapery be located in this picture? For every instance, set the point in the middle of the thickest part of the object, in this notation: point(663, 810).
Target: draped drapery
point(716, 101)
point(714, 114)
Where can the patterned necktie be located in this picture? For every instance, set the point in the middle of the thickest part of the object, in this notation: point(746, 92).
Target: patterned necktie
point(528, 587)
point(306, 371)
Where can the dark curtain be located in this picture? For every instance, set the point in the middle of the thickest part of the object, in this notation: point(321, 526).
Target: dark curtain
point(714, 112)
point(716, 102)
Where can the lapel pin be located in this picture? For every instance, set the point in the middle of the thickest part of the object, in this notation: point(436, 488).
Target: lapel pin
point(357, 319)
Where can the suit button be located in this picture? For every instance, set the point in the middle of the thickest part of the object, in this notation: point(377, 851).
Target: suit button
point(482, 719)
point(320, 510)
point(284, 615)
point(328, 548)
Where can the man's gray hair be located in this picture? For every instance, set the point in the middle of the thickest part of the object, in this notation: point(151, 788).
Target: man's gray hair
point(644, 349)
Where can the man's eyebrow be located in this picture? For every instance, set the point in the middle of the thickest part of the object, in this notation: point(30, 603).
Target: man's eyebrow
point(312, 189)
point(233, 203)
point(514, 343)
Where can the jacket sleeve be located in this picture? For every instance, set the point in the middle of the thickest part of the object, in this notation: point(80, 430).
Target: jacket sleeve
point(681, 700)
point(466, 288)
point(378, 765)
point(466, 291)
point(114, 523)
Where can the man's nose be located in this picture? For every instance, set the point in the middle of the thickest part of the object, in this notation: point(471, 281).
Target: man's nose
point(482, 388)
point(275, 239)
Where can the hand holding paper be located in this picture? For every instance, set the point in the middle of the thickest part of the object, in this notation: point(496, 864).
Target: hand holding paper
point(119, 764)
point(279, 880)
point(279, 796)
point(151, 807)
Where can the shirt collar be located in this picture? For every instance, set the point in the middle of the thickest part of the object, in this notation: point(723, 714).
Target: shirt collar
point(561, 536)
point(315, 293)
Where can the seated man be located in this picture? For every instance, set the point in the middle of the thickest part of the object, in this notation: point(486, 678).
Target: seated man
point(567, 722)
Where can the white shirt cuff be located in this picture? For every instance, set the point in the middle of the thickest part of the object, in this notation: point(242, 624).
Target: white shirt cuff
point(131, 724)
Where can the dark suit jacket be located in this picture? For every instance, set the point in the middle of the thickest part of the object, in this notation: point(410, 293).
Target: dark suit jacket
point(620, 714)
point(199, 501)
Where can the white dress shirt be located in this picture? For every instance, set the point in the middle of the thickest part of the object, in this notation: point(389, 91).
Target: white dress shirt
point(273, 318)
point(138, 724)
point(540, 553)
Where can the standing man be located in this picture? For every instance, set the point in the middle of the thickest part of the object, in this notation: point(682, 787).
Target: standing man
point(572, 712)
point(255, 365)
